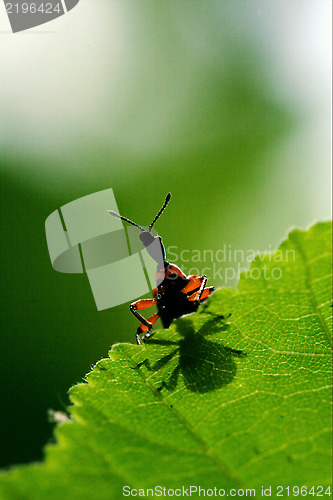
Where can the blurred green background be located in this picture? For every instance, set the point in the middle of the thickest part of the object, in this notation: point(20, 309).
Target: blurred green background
point(225, 104)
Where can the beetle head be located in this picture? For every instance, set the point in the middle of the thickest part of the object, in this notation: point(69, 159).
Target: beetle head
point(153, 244)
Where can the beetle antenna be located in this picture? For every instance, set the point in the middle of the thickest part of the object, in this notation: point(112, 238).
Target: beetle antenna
point(167, 199)
point(125, 219)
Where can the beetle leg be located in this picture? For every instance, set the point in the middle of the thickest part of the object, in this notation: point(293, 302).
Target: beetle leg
point(197, 292)
point(142, 328)
point(141, 304)
point(193, 285)
point(146, 327)
point(195, 289)
point(206, 292)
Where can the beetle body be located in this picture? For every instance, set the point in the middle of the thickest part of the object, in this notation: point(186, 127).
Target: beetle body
point(171, 301)
point(175, 294)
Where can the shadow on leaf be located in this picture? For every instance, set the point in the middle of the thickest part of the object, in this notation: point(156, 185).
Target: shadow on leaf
point(205, 365)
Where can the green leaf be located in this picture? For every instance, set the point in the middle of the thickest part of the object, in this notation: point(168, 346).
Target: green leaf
point(235, 396)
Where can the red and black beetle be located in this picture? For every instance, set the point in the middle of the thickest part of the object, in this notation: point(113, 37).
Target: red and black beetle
point(175, 294)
